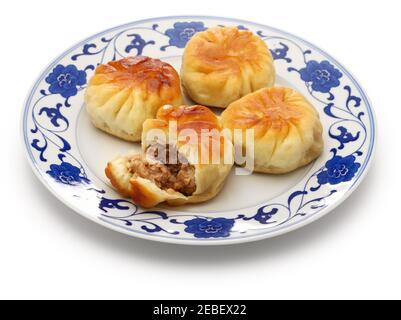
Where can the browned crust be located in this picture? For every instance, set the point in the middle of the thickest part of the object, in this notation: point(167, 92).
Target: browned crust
point(141, 195)
point(225, 48)
point(267, 108)
point(114, 181)
point(135, 71)
point(196, 117)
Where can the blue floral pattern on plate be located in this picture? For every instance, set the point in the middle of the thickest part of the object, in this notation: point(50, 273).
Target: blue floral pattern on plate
point(338, 170)
point(67, 173)
point(66, 80)
point(214, 228)
point(137, 43)
point(182, 32)
point(345, 137)
point(323, 76)
point(52, 147)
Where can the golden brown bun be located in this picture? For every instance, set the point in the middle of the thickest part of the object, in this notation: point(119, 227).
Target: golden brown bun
point(287, 128)
point(123, 94)
point(209, 177)
point(223, 64)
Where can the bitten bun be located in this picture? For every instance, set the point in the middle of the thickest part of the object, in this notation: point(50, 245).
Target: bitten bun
point(150, 179)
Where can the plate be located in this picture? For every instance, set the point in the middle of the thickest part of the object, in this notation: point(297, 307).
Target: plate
point(69, 155)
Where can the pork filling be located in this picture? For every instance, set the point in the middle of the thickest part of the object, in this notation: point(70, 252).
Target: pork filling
point(178, 175)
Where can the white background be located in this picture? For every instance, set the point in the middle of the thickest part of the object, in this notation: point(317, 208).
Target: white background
point(48, 251)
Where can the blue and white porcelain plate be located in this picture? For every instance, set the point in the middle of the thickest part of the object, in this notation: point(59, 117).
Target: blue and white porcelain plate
point(69, 155)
